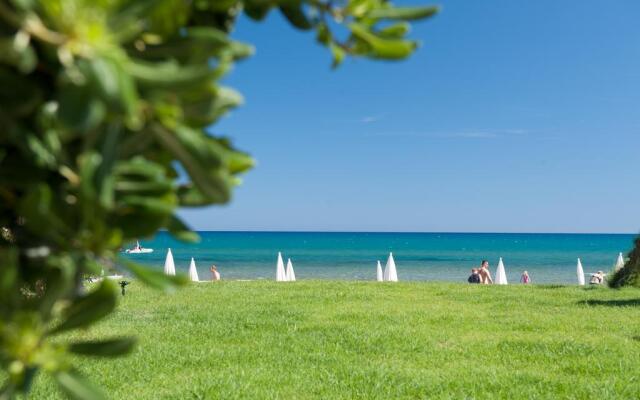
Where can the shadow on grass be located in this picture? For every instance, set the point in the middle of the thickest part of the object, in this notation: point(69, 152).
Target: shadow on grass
point(595, 287)
point(548, 286)
point(611, 303)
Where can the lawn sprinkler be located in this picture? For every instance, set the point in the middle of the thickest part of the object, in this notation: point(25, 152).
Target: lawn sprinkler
point(123, 284)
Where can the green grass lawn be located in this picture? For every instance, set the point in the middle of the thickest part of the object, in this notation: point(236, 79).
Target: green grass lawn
point(329, 339)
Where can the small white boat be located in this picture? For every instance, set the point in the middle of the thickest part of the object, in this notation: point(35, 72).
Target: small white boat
point(138, 249)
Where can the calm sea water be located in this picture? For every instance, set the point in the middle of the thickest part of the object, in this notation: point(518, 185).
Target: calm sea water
point(549, 258)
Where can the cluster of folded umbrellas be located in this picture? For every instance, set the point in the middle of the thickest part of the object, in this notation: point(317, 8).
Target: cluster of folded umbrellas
point(170, 267)
point(289, 275)
point(580, 271)
point(501, 276)
point(283, 275)
point(389, 274)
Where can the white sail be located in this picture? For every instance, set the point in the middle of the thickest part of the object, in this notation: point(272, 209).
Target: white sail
point(280, 274)
point(580, 273)
point(379, 276)
point(169, 265)
point(390, 273)
point(290, 275)
point(619, 262)
point(193, 272)
point(501, 275)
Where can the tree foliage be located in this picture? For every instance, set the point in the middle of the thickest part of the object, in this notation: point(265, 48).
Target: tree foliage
point(629, 275)
point(104, 106)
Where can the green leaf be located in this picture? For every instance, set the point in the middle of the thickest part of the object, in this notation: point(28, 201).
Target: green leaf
point(294, 13)
point(77, 387)
point(338, 54)
point(323, 34)
point(181, 231)
point(390, 49)
point(202, 107)
point(78, 109)
point(138, 223)
point(19, 95)
point(154, 278)
point(169, 74)
point(42, 153)
point(239, 50)
point(9, 275)
point(88, 164)
point(201, 158)
point(104, 178)
point(88, 309)
point(256, 9)
point(395, 31)
point(104, 348)
point(139, 167)
point(25, 5)
point(38, 209)
point(193, 44)
point(238, 162)
point(191, 196)
point(130, 10)
point(59, 279)
point(403, 13)
point(210, 42)
point(149, 204)
point(104, 74)
point(113, 83)
point(142, 187)
point(17, 51)
point(128, 18)
point(168, 16)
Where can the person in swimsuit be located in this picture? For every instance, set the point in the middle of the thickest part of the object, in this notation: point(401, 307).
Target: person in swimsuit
point(485, 275)
point(525, 278)
point(215, 275)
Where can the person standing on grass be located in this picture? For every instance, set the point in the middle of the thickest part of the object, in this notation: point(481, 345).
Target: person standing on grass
point(215, 275)
point(485, 275)
point(525, 278)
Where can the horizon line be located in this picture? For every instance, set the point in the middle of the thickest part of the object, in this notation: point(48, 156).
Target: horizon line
point(430, 232)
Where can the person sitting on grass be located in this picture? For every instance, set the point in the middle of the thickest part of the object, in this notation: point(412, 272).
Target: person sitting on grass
point(597, 278)
point(215, 275)
point(525, 278)
point(485, 275)
point(474, 277)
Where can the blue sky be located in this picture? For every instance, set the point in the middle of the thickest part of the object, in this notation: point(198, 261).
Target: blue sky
point(513, 116)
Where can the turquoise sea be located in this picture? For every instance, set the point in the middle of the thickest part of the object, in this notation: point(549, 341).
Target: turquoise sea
point(549, 258)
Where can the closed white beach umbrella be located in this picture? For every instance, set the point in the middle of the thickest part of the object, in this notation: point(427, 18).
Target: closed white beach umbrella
point(290, 275)
point(379, 276)
point(501, 275)
point(280, 274)
point(169, 266)
point(580, 273)
point(619, 262)
point(390, 273)
point(193, 272)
